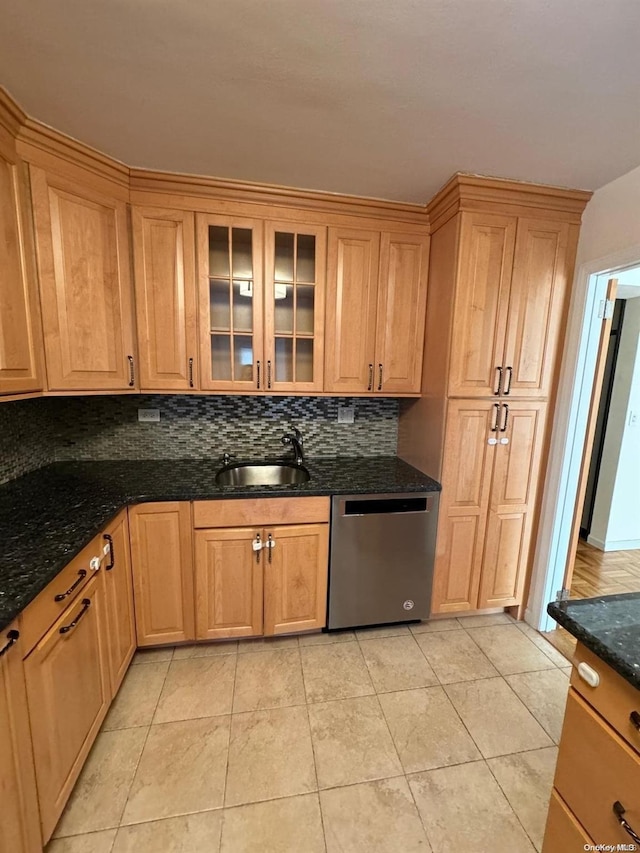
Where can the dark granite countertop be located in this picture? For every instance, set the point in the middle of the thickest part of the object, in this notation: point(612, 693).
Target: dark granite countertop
point(48, 516)
point(609, 626)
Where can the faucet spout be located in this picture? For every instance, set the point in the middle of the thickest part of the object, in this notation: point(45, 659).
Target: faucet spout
point(296, 441)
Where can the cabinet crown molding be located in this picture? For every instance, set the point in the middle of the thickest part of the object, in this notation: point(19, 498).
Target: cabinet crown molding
point(468, 192)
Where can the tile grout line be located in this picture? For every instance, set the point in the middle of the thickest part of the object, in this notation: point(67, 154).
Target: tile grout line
point(504, 794)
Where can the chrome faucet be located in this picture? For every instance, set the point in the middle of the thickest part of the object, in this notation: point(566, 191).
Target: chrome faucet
point(295, 439)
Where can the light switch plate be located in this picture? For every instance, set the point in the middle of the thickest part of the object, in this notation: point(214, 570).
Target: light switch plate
point(149, 416)
point(346, 414)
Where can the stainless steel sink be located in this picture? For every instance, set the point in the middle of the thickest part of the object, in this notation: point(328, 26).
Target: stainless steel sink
point(261, 474)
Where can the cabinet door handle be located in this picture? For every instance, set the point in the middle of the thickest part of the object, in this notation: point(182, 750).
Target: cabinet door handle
point(268, 374)
point(62, 595)
point(270, 546)
point(132, 375)
point(379, 377)
point(619, 810)
point(86, 604)
point(499, 385)
point(496, 417)
point(257, 547)
point(112, 559)
point(190, 373)
point(507, 384)
point(634, 716)
point(370, 385)
point(503, 428)
point(12, 637)
point(258, 375)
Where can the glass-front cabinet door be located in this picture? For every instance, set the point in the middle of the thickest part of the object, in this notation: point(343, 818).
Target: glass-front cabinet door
point(294, 306)
point(231, 311)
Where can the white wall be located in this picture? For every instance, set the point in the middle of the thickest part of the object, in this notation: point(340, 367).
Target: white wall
point(616, 514)
point(611, 221)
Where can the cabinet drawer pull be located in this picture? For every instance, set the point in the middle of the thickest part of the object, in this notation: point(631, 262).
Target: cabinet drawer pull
point(619, 810)
point(499, 386)
point(379, 377)
point(12, 637)
point(62, 595)
point(268, 374)
point(190, 373)
point(634, 716)
point(132, 376)
point(112, 559)
point(86, 604)
point(507, 384)
point(258, 375)
point(503, 428)
point(370, 385)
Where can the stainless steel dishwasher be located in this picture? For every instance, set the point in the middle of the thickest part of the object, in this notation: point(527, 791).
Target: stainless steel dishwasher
point(381, 562)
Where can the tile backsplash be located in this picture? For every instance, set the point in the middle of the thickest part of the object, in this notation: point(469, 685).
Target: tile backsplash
point(35, 432)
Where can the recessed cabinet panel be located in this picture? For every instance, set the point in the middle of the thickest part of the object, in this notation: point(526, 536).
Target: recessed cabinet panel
point(352, 283)
point(118, 599)
point(482, 296)
point(294, 306)
point(231, 303)
point(229, 574)
point(536, 306)
point(85, 286)
point(164, 254)
point(402, 300)
point(20, 369)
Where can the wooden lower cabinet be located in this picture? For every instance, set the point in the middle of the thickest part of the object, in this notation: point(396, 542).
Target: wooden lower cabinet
point(295, 585)
point(252, 581)
point(118, 599)
point(161, 556)
point(563, 833)
point(68, 690)
point(492, 461)
point(20, 825)
point(229, 579)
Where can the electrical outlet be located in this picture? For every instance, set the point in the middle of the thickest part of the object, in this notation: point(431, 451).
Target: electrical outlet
point(346, 414)
point(149, 416)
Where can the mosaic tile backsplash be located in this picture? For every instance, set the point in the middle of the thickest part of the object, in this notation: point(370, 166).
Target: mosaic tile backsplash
point(35, 432)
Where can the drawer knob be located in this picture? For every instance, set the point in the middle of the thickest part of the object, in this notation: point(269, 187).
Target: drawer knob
point(618, 810)
point(589, 674)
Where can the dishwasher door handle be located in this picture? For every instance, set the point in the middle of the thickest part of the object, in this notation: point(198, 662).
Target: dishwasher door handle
point(354, 508)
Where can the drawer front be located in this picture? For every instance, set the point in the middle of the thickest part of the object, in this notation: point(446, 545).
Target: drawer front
point(43, 611)
point(614, 698)
point(563, 833)
point(596, 769)
point(261, 512)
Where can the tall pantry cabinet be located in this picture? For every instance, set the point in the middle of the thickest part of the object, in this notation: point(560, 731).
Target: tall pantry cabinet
point(501, 264)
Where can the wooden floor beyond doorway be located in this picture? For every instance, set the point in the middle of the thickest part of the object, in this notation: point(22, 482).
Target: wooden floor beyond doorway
point(604, 572)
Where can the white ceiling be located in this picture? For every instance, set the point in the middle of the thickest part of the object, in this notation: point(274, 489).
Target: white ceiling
point(382, 98)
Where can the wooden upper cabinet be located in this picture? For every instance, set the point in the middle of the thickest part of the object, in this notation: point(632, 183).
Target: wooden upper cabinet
point(85, 285)
point(295, 273)
point(20, 826)
point(231, 289)
point(538, 292)
point(402, 302)
point(516, 474)
point(485, 263)
point(352, 284)
point(20, 332)
point(166, 298)
point(162, 564)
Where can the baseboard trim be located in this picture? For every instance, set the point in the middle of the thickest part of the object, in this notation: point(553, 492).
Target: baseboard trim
point(614, 544)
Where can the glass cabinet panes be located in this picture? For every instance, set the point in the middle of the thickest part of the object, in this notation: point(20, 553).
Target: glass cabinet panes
point(294, 306)
point(231, 303)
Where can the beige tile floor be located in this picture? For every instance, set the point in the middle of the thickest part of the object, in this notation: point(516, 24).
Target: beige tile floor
point(437, 737)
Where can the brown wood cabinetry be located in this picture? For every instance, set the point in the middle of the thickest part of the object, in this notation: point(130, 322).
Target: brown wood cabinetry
point(20, 824)
point(267, 578)
point(67, 677)
point(166, 298)
point(85, 285)
point(161, 556)
point(489, 486)
point(121, 629)
point(376, 302)
point(20, 332)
